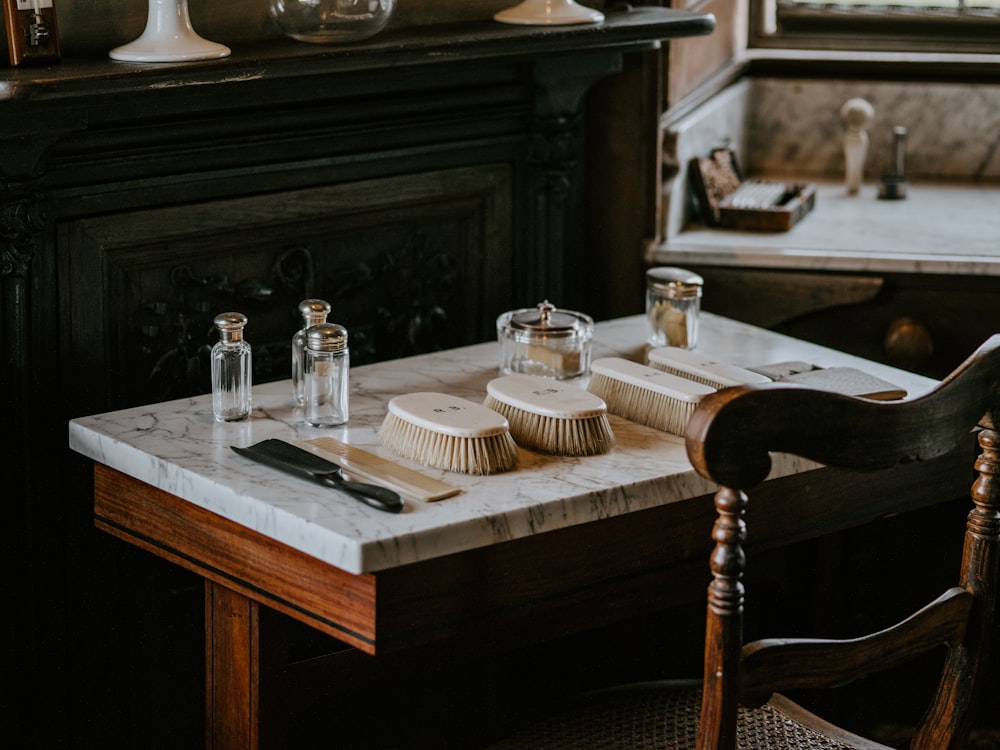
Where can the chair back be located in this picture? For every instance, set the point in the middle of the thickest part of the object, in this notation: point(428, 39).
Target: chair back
point(730, 440)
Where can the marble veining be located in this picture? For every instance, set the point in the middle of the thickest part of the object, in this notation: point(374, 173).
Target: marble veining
point(953, 128)
point(178, 447)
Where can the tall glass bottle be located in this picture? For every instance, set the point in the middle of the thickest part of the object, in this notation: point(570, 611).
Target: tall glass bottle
point(231, 373)
point(313, 312)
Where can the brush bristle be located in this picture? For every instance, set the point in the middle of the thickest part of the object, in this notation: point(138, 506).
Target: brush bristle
point(586, 436)
point(551, 416)
point(448, 433)
point(646, 395)
point(711, 383)
point(689, 365)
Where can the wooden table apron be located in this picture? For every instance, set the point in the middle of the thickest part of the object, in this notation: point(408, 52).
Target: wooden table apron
point(503, 595)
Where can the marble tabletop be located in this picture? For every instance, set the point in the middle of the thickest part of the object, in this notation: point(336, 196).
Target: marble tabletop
point(939, 228)
point(178, 447)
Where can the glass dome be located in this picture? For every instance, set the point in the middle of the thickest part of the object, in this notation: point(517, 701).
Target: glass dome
point(330, 21)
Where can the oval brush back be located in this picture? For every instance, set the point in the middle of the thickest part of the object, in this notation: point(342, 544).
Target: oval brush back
point(551, 416)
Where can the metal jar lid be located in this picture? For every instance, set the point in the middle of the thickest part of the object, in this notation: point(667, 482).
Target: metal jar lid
point(230, 325)
point(326, 337)
point(316, 310)
point(674, 283)
point(548, 321)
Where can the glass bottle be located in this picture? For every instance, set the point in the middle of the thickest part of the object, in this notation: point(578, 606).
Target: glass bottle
point(231, 373)
point(673, 303)
point(313, 311)
point(326, 370)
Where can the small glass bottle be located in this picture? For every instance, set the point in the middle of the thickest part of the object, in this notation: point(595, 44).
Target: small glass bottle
point(231, 369)
point(673, 303)
point(313, 311)
point(326, 382)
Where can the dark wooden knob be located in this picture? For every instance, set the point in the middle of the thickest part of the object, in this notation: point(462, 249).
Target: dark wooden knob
point(908, 341)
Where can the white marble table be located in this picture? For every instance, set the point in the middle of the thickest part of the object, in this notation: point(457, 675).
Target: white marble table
point(178, 447)
point(557, 546)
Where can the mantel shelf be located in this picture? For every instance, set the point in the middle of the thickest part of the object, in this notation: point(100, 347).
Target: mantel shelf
point(623, 30)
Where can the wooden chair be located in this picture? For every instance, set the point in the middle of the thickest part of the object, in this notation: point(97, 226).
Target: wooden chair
point(737, 704)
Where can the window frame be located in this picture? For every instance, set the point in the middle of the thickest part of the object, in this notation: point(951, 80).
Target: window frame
point(774, 25)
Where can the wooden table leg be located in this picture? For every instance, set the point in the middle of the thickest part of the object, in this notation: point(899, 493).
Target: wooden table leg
point(232, 670)
point(245, 671)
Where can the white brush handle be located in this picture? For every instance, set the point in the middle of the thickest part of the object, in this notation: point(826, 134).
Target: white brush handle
point(650, 379)
point(702, 367)
point(448, 415)
point(546, 397)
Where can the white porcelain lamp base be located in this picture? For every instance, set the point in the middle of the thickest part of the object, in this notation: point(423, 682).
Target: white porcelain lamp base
point(169, 37)
point(549, 13)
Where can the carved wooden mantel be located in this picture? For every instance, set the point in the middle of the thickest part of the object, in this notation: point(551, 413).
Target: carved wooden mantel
point(96, 137)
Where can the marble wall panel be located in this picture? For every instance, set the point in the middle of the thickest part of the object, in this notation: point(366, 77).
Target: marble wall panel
point(794, 126)
point(792, 129)
point(721, 121)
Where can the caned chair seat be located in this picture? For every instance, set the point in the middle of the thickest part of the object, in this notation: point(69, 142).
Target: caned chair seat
point(739, 703)
point(663, 715)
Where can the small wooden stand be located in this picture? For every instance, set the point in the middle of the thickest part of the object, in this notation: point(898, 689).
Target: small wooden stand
point(32, 34)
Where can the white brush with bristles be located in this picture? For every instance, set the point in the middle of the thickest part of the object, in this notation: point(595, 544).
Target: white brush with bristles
point(646, 395)
point(447, 432)
point(551, 416)
point(701, 369)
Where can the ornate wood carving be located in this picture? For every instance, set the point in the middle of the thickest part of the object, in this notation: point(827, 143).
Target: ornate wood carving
point(408, 264)
point(724, 624)
point(21, 224)
point(555, 157)
point(980, 563)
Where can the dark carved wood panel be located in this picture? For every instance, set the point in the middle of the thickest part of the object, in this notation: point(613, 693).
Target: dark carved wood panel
point(410, 264)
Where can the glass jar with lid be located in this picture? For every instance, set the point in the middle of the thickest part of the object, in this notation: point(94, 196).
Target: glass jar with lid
point(546, 341)
point(673, 305)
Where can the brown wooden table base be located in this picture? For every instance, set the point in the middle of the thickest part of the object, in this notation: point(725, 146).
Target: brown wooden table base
point(501, 597)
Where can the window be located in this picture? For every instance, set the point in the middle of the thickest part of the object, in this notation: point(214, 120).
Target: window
point(890, 25)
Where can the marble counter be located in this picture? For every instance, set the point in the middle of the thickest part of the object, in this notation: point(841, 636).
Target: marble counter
point(937, 229)
point(178, 447)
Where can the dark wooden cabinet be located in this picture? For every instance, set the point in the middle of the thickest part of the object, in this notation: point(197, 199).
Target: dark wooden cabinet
point(423, 182)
